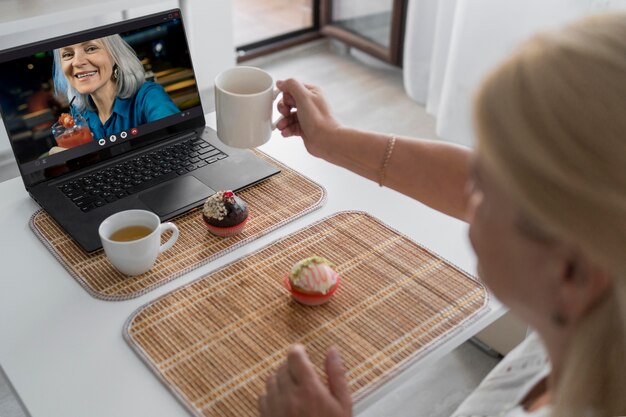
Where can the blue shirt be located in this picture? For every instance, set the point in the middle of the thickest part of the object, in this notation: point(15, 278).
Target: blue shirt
point(149, 103)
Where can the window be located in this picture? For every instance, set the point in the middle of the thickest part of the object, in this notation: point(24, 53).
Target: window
point(373, 26)
point(273, 24)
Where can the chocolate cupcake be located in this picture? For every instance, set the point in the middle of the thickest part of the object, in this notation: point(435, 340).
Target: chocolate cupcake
point(225, 214)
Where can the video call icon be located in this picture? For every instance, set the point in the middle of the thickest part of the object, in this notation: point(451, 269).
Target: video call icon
point(123, 135)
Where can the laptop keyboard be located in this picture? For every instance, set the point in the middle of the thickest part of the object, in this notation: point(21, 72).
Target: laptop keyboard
point(131, 176)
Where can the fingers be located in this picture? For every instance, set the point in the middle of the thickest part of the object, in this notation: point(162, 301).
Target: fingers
point(263, 409)
point(299, 366)
point(284, 379)
point(286, 104)
point(268, 402)
point(271, 386)
point(293, 87)
point(281, 392)
point(312, 88)
point(289, 126)
point(292, 130)
point(290, 118)
point(287, 121)
point(289, 100)
point(284, 122)
point(296, 390)
point(284, 108)
point(337, 378)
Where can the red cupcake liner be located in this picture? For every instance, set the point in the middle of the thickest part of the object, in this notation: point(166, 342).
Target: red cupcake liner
point(226, 231)
point(310, 299)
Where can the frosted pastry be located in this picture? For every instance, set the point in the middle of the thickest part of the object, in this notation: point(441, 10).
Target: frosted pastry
point(225, 214)
point(312, 281)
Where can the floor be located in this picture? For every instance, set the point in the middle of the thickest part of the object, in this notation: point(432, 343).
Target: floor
point(365, 94)
point(348, 77)
point(10, 403)
point(256, 20)
point(439, 390)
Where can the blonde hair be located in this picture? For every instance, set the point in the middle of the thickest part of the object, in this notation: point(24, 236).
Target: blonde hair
point(551, 121)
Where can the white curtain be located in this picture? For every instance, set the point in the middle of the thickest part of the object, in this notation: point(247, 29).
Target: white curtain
point(451, 44)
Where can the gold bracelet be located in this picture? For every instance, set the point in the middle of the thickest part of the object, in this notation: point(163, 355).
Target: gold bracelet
point(383, 169)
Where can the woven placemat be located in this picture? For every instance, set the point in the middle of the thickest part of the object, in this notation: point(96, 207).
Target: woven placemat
point(215, 341)
point(272, 203)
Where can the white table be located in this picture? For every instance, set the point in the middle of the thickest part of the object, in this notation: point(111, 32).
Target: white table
point(63, 349)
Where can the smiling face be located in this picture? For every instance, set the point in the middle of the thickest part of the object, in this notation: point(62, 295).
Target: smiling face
point(88, 66)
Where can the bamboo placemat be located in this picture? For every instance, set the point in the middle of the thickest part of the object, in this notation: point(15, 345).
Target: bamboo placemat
point(215, 341)
point(272, 203)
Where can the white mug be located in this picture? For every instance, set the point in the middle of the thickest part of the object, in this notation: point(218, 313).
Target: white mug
point(244, 97)
point(136, 256)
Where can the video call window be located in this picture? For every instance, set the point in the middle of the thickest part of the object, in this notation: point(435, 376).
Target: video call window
point(63, 98)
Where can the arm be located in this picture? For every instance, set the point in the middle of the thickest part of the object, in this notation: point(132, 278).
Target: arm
point(432, 172)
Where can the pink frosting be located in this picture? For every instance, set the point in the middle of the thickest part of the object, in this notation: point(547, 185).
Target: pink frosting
point(317, 277)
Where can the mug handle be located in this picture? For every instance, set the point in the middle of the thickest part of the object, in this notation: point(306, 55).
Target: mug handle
point(275, 93)
point(164, 227)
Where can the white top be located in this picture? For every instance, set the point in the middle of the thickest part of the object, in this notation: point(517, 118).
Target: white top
point(501, 392)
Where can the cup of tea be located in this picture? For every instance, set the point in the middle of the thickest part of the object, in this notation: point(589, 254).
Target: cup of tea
point(244, 98)
point(132, 240)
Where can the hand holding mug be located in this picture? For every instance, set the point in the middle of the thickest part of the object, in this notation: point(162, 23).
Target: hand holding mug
point(306, 114)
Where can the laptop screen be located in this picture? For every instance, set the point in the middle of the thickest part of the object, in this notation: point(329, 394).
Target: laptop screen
point(78, 100)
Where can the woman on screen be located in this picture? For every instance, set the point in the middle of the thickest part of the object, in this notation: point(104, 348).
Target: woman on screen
point(106, 82)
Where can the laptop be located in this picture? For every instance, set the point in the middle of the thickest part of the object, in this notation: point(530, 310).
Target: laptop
point(93, 135)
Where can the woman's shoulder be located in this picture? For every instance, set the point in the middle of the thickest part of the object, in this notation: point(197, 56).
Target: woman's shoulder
point(150, 88)
point(152, 94)
point(153, 102)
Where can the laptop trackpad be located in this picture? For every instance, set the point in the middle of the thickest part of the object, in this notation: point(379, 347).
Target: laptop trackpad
point(175, 194)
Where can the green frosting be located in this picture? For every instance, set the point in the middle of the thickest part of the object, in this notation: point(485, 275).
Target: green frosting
point(305, 263)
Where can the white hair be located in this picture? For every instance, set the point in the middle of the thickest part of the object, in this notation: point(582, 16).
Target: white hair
point(130, 73)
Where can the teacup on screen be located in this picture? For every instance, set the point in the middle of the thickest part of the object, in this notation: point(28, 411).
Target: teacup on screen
point(244, 97)
point(132, 240)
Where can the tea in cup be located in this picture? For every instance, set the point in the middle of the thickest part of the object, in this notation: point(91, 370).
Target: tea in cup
point(132, 240)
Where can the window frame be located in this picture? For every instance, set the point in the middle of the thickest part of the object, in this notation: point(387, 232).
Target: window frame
point(323, 27)
point(286, 40)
